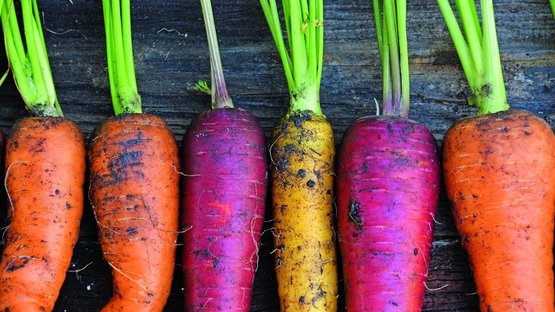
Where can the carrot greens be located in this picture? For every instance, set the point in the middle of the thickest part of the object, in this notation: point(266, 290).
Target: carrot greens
point(220, 96)
point(28, 58)
point(303, 55)
point(479, 53)
point(390, 18)
point(121, 70)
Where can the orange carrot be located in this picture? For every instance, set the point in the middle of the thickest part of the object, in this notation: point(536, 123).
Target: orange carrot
point(500, 176)
point(134, 182)
point(45, 173)
point(503, 202)
point(45, 188)
point(135, 196)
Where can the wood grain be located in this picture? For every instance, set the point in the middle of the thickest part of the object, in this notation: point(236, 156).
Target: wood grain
point(171, 55)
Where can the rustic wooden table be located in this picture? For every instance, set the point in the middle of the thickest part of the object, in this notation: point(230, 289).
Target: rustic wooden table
point(171, 55)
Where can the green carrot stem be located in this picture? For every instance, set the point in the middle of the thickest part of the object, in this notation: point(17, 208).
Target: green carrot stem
point(319, 25)
point(379, 29)
point(220, 96)
point(45, 66)
point(121, 69)
point(128, 42)
point(552, 3)
point(478, 51)
point(390, 19)
point(298, 44)
point(493, 92)
point(302, 57)
point(471, 29)
point(106, 8)
point(383, 47)
point(386, 76)
point(460, 44)
point(311, 42)
point(404, 58)
point(391, 27)
point(30, 40)
point(31, 68)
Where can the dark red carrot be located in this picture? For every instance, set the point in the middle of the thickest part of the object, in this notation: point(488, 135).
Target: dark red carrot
point(45, 173)
point(224, 191)
point(134, 182)
point(388, 185)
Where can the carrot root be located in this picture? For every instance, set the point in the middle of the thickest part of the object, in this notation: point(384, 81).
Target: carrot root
point(45, 161)
point(388, 187)
point(302, 195)
point(134, 190)
point(224, 195)
point(500, 177)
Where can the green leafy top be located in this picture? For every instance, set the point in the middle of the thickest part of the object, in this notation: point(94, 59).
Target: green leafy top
point(29, 62)
point(478, 51)
point(303, 56)
point(121, 70)
point(390, 17)
point(218, 90)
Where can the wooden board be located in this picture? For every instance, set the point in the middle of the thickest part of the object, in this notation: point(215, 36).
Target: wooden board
point(171, 55)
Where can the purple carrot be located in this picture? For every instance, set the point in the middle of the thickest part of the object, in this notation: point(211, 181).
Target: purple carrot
point(224, 191)
point(388, 185)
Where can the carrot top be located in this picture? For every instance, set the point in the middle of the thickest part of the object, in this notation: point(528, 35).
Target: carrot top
point(29, 61)
point(121, 70)
point(303, 57)
point(218, 90)
point(478, 51)
point(390, 17)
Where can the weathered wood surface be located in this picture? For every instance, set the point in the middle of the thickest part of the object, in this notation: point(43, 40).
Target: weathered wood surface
point(171, 54)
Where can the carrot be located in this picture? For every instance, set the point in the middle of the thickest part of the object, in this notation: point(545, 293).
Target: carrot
point(302, 166)
point(387, 187)
point(223, 199)
point(134, 182)
point(134, 192)
point(45, 173)
point(45, 188)
point(499, 172)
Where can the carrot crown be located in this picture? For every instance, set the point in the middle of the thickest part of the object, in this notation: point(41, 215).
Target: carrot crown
point(303, 55)
point(478, 51)
point(390, 17)
point(29, 60)
point(119, 48)
point(220, 96)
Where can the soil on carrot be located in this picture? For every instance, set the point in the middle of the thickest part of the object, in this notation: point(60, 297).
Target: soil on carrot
point(354, 214)
point(302, 159)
